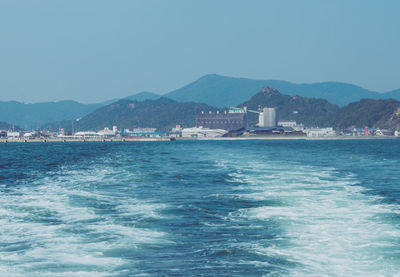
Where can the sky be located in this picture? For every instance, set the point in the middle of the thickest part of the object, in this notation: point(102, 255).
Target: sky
point(93, 50)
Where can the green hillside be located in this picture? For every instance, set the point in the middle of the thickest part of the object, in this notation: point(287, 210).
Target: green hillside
point(308, 111)
point(213, 90)
point(162, 114)
point(372, 113)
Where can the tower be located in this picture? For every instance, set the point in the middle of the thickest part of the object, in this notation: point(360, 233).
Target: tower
point(267, 118)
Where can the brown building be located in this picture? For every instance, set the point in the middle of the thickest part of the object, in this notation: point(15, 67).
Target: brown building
point(235, 119)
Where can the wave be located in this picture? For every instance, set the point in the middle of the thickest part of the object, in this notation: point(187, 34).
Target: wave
point(70, 223)
point(328, 224)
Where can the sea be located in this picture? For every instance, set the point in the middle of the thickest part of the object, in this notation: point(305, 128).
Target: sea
point(200, 208)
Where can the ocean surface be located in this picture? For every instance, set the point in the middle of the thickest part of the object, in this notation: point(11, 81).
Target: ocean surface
point(200, 208)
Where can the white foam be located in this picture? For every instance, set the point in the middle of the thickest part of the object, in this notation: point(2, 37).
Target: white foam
point(46, 225)
point(330, 226)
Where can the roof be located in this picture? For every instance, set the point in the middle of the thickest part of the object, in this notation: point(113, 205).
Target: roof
point(257, 128)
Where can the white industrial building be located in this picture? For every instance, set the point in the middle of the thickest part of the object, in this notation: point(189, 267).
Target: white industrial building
point(29, 135)
point(13, 134)
point(320, 132)
point(291, 124)
point(106, 133)
point(267, 118)
point(200, 132)
point(86, 135)
point(287, 123)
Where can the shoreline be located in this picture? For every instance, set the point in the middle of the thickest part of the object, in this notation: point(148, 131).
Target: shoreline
point(52, 140)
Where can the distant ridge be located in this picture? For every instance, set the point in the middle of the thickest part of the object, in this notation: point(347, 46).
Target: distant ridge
point(140, 96)
point(394, 94)
point(220, 91)
point(144, 95)
point(213, 90)
point(9, 127)
point(162, 113)
point(31, 116)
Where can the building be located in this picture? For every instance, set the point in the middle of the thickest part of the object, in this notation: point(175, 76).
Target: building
point(291, 124)
point(176, 132)
point(320, 132)
point(287, 123)
point(144, 130)
point(106, 132)
point(267, 118)
point(201, 132)
point(29, 135)
point(86, 135)
point(143, 133)
point(13, 134)
point(235, 119)
point(273, 131)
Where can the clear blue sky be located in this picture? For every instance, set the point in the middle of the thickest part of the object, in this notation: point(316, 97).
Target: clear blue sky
point(91, 51)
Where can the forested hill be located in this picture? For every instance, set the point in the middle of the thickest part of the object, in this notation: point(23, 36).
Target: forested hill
point(381, 113)
point(367, 112)
point(162, 114)
point(212, 89)
point(309, 111)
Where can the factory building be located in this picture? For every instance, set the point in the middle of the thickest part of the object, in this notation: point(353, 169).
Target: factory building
point(13, 134)
point(200, 132)
point(291, 124)
point(320, 132)
point(286, 131)
point(235, 119)
point(266, 117)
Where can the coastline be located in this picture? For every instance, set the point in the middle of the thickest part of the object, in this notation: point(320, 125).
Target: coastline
point(52, 140)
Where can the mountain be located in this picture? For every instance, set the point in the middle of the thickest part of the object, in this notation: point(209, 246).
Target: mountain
point(367, 112)
point(394, 94)
point(31, 116)
point(377, 113)
point(144, 95)
point(162, 114)
point(141, 96)
point(308, 111)
point(221, 91)
point(213, 90)
point(9, 127)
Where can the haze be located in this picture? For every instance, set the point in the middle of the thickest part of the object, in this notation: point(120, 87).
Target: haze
point(91, 51)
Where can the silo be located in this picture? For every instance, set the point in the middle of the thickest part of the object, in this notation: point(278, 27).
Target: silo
point(267, 118)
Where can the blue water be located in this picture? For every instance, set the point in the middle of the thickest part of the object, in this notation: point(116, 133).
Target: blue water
point(200, 208)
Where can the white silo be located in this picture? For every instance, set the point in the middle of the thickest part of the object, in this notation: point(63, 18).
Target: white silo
point(267, 118)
